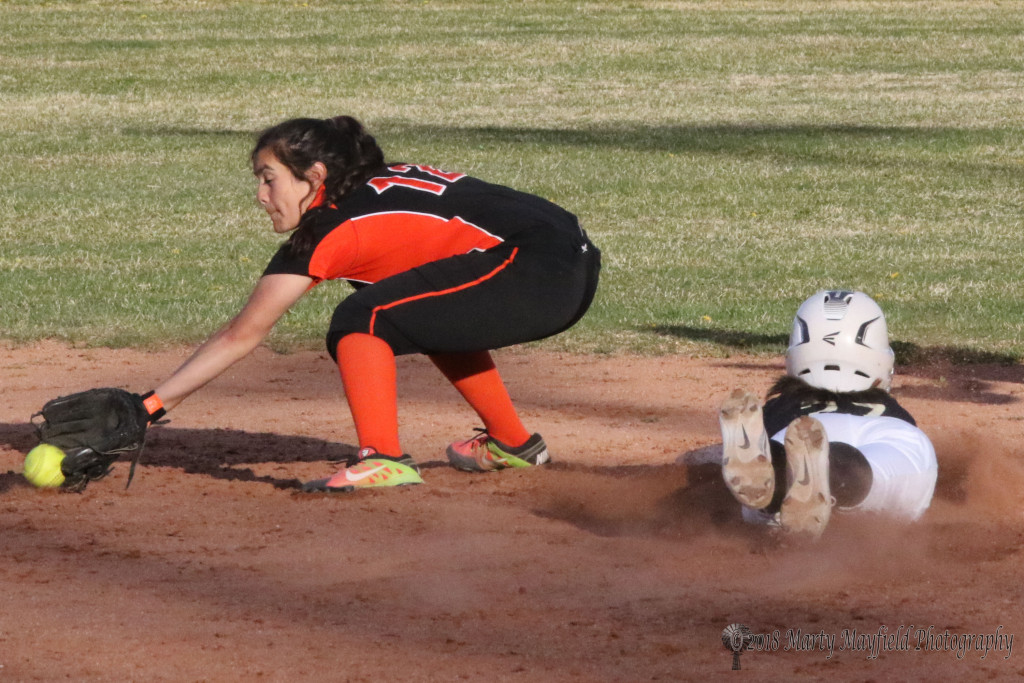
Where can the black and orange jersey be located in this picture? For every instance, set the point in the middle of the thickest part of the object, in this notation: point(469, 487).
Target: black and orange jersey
point(415, 214)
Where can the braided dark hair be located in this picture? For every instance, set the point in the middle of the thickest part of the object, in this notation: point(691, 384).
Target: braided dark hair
point(341, 144)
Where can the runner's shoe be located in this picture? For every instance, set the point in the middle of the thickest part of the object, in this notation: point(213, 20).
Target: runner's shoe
point(484, 453)
point(370, 470)
point(808, 503)
point(746, 456)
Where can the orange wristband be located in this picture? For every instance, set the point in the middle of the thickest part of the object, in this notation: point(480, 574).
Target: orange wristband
point(154, 406)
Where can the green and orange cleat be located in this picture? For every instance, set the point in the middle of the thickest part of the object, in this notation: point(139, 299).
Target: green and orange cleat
point(371, 470)
point(484, 453)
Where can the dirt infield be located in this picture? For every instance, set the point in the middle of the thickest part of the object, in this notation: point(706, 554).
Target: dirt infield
point(622, 561)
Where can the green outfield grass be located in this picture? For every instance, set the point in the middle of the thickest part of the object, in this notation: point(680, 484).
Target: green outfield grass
point(729, 158)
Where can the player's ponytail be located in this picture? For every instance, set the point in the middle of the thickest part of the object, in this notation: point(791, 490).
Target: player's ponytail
point(356, 158)
point(341, 144)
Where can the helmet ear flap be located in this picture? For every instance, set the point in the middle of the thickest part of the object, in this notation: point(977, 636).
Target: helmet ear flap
point(840, 342)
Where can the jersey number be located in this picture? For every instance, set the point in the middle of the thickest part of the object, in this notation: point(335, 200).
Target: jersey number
point(382, 183)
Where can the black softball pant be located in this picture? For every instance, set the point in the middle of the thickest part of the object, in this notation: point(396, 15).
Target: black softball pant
point(476, 301)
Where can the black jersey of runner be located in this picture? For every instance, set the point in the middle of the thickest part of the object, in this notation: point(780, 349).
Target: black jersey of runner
point(791, 398)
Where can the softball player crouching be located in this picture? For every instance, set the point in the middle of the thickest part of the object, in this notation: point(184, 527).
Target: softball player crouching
point(443, 264)
point(829, 433)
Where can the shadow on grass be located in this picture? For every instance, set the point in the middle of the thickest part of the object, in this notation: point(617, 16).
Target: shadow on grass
point(732, 339)
point(961, 374)
point(811, 142)
point(907, 353)
point(680, 138)
point(188, 132)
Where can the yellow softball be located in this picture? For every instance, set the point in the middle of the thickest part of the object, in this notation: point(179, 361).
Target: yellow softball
point(42, 466)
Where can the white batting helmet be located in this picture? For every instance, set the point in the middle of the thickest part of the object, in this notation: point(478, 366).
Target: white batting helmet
point(840, 342)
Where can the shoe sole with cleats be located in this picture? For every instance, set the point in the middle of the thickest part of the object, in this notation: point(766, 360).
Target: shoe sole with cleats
point(807, 507)
point(746, 457)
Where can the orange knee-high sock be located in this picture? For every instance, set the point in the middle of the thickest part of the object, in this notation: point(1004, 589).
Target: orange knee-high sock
point(476, 378)
point(368, 373)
